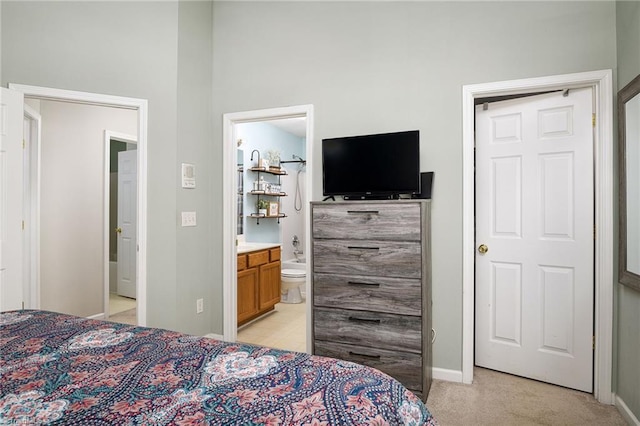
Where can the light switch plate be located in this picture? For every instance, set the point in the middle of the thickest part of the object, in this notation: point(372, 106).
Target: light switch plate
point(188, 218)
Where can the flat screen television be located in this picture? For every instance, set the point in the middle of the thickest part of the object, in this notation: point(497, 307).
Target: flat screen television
point(371, 166)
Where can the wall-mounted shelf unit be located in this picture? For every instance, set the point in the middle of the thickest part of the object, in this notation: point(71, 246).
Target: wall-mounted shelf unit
point(270, 170)
point(266, 193)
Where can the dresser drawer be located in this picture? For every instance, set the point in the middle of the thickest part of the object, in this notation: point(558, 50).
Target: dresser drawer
point(403, 366)
point(358, 292)
point(361, 221)
point(366, 257)
point(370, 329)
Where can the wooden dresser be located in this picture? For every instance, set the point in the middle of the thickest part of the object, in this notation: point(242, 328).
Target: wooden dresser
point(258, 283)
point(371, 286)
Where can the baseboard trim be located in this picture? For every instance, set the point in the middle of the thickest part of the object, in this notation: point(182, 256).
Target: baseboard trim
point(625, 411)
point(99, 316)
point(214, 336)
point(447, 375)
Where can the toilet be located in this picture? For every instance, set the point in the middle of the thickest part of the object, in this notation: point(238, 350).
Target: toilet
point(291, 281)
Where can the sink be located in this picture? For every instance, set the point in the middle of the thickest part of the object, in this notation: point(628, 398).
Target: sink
point(245, 247)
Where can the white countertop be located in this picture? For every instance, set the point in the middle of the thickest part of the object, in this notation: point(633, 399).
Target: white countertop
point(247, 247)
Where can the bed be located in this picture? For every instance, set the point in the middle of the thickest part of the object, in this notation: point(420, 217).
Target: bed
point(61, 369)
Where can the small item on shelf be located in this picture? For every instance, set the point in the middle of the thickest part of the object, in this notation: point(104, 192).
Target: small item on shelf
point(262, 184)
point(273, 157)
point(262, 206)
point(255, 185)
point(274, 209)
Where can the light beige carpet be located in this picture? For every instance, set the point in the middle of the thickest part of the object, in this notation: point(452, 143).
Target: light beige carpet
point(126, 317)
point(502, 399)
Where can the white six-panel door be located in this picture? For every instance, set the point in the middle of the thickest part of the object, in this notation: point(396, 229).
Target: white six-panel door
point(534, 216)
point(11, 185)
point(127, 196)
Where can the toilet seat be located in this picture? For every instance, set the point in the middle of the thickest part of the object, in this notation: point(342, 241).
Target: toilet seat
point(293, 273)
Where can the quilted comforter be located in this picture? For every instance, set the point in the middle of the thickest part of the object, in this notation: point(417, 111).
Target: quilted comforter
point(61, 369)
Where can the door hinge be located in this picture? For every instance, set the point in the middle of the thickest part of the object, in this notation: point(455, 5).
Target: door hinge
point(22, 305)
point(593, 120)
point(24, 144)
point(23, 225)
point(594, 232)
point(593, 342)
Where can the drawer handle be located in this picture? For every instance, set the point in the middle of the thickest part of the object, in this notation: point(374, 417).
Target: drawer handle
point(364, 355)
point(362, 248)
point(359, 283)
point(363, 211)
point(356, 319)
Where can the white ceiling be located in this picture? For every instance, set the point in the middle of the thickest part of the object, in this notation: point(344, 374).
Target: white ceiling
point(296, 126)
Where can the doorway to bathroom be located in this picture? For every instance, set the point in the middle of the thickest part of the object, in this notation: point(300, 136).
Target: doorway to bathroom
point(268, 166)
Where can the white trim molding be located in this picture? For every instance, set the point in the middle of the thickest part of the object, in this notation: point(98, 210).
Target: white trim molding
point(140, 105)
point(99, 316)
point(626, 412)
point(214, 336)
point(229, 214)
point(33, 215)
point(447, 375)
point(602, 84)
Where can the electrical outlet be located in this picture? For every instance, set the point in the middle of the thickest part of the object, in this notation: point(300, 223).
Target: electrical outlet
point(199, 306)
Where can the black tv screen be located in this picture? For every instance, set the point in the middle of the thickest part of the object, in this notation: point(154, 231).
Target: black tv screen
point(382, 165)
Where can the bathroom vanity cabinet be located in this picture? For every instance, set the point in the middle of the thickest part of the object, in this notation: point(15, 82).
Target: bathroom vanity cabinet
point(371, 286)
point(258, 283)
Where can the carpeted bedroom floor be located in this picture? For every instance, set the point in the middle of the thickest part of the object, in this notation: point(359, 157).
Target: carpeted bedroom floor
point(502, 399)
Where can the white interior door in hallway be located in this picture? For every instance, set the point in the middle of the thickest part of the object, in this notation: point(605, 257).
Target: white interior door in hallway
point(127, 195)
point(534, 238)
point(11, 184)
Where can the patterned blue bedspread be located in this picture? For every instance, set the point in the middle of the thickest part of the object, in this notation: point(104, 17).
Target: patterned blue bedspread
point(61, 369)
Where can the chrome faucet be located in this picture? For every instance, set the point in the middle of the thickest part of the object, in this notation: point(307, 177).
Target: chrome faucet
point(296, 244)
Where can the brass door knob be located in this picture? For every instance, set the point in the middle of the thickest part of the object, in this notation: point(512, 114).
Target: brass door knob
point(119, 230)
point(483, 249)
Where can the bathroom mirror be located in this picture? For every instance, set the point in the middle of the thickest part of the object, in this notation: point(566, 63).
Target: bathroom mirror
point(240, 196)
point(629, 185)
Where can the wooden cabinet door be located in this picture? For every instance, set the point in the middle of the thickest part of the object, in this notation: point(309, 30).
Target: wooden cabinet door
point(269, 285)
point(247, 294)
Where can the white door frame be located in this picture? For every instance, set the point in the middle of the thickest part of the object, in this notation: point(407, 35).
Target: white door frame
point(109, 135)
point(141, 106)
point(230, 210)
point(602, 84)
point(32, 244)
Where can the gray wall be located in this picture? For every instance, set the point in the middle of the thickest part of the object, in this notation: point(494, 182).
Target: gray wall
point(75, 45)
point(198, 257)
point(371, 67)
point(365, 66)
point(628, 303)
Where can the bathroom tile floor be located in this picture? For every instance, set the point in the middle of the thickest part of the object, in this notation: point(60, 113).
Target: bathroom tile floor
point(283, 329)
